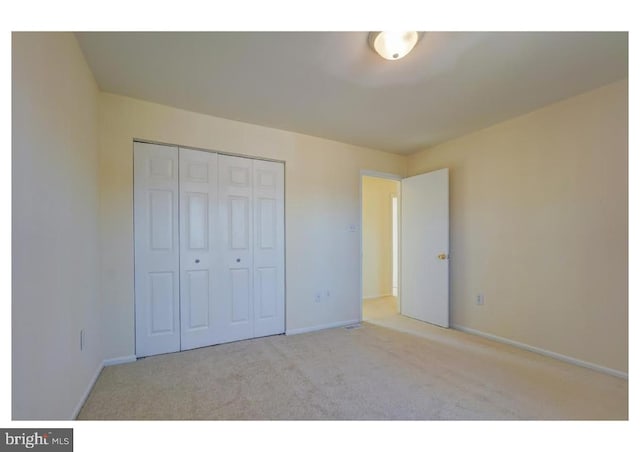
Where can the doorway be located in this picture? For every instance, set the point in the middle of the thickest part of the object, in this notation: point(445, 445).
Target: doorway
point(404, 269)
point(380, 245)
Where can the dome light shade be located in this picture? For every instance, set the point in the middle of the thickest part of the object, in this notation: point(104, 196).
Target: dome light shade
point(393, 45)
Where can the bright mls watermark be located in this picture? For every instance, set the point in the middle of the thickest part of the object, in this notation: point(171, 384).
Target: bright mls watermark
point(15, 439)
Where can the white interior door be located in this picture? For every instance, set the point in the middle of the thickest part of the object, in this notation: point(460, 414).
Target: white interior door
point(198, 248)
point(156, 249)
point(424, 289)
point(268, 248)
point(235, 209)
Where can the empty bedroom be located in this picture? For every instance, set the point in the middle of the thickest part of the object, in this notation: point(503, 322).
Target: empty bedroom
point(326, 225)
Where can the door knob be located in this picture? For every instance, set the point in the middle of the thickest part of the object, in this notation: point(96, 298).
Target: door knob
point(197, 261)
point(442, 256)
point(238, 260)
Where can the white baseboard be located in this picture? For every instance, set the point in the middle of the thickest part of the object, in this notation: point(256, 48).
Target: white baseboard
point(119, 360)
point(541, 351)
point(326, 326)
point(87, 391)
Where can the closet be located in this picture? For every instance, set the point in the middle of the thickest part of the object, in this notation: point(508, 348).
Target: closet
point(208, 248)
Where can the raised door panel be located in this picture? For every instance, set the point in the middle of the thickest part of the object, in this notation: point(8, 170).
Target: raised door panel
point(161, 306)
point(267, 292)
point(197, 300)
point(161, 220)
point(267, 227)
point(197, 218)
point(240, 296)
point(156, 251)
point(238, 231)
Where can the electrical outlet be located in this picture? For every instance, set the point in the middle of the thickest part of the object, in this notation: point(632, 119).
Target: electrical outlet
point(82, 340)
point(480, 299)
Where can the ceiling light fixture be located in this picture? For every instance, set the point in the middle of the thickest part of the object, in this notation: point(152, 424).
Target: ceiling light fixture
point(393, 45)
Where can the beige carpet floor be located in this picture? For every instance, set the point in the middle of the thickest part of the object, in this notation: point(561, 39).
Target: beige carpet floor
point(370, 372)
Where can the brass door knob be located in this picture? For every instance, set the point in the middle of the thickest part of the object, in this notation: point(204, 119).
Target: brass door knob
point(442, 256)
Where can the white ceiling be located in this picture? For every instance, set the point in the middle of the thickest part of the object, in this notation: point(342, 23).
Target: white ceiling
point(331, 85)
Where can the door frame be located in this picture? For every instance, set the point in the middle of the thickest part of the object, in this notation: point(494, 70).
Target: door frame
point(397, 178)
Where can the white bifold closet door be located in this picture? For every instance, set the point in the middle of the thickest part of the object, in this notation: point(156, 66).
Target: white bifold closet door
point(156, 249)
point(236, 230)
point(199, 243)
point(251, 209)
point(228, 249)
point(268, 248)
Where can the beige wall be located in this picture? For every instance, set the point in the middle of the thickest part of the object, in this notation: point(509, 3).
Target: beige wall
point(539, 225)
point(377, 265)
point(54, 226)
point(322, 199)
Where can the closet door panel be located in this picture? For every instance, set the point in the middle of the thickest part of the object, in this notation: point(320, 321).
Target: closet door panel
point(156, 249)
point(199, 269)
point(240, 296)
point(161, 306)
point(267, 292)
point(268, 250)
point(197, 220)
point(236, 254)
point(198, 297)
point(238, 237)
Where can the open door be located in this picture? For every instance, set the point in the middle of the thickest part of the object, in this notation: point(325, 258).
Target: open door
point(424, 288)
